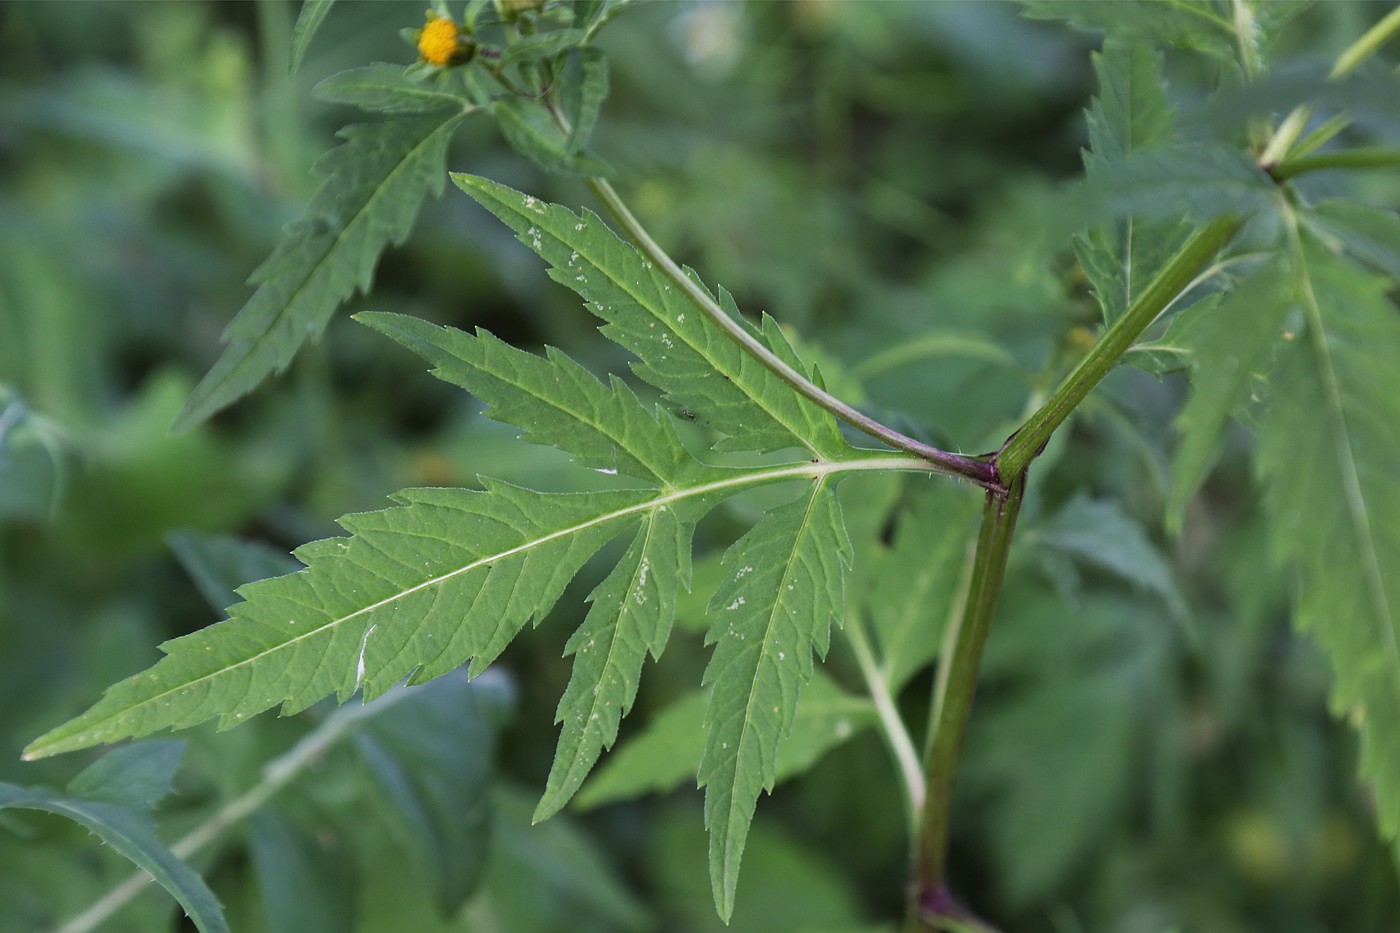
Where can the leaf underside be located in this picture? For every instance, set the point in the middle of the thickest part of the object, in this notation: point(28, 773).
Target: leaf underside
point(376, 181)
point(1328, 449)
point(450, 576)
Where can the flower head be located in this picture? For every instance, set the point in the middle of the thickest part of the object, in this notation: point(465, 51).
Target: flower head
point(439, 41)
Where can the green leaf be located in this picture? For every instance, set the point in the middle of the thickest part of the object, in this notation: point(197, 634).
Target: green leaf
point(313, 14)
point(1229, 346)
point(1193, 24)
point(682, 352)
point(552, 877)
point(531, 131)
point(415, 591)
point(1077, 691)
point(784, 587)
point(384, 88)
point(301, 879)
point(583, 86)
point(453, 574)
point(666, 754)
point(113, 798)
point(377, 180)
point(541, 45)
point(1129, 115)
point(432, 755)
point(915, 585)
point(1198, 180)
point(553, 399)
point(632, 613)
point(1328, 449)
point(1369, 233)
point(1099, 533)
point(220, 564)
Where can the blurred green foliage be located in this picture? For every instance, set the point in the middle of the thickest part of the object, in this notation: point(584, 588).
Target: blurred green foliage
point(870, 173)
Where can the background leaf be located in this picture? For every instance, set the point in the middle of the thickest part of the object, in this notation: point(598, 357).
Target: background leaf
point(377, 180)
point(113, 798)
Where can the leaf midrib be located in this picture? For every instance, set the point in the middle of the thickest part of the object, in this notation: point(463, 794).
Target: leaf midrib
point(730, 871)
point(814, 470)
point(659, 278)
point(350, 224)
point(1355, 497)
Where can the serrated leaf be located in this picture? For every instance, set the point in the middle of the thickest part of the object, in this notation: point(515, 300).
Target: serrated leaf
point(417, 590)
point(309, 20)
point(1228, 347)
point(432, 755)
point(1129, 115)
point(113, 798)
point(531, 131)
point(666, 754)
point(681, 351)
point(414, 592)
point(1191, 24)
point(386, 88)
point(1328, 449)
point(553, 399)
point(377, 180)
point(1197, 180)
point(632, 613)
point(914, 585)
point(785, 585)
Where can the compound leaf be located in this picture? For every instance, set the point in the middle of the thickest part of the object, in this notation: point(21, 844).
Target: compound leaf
point(1328, 450)
point(376, 181)
point(783, 587)
point(680, 350)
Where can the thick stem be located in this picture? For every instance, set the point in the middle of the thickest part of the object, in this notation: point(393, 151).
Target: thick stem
point(980, 472)
point(1025, 444)
point(931, 904)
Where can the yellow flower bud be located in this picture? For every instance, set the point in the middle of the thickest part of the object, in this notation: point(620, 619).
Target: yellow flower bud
point(440, 42)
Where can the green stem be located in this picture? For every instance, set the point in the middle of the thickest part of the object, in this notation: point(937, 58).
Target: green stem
point(1347, 159)
point(892, 728)
point(276, 775)
point(1025, 445)
point(980, 472)
point(931, 904)
point(1356, 53)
